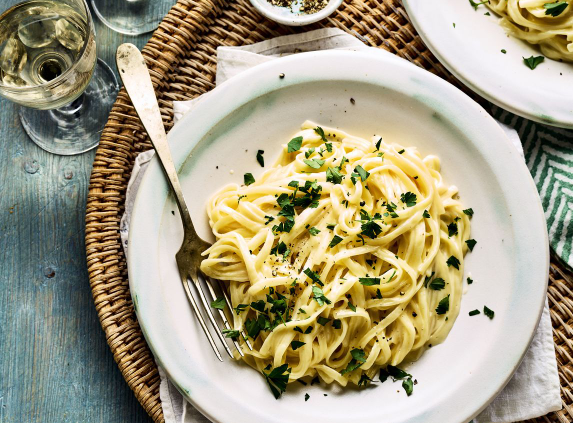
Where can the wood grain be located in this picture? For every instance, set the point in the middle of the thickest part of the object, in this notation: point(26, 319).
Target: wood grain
point(55, 365)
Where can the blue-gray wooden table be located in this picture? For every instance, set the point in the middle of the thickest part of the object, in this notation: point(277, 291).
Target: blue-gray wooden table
point(55, 365)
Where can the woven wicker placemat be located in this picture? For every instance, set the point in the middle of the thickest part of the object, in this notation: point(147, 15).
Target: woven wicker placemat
point(181, 56)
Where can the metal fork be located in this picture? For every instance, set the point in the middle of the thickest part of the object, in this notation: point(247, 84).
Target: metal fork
point(137, 82)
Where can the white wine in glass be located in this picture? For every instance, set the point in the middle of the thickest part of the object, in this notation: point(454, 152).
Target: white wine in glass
point(48, 64)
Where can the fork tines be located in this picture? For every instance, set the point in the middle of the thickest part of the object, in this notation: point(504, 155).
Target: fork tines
point(198, 284)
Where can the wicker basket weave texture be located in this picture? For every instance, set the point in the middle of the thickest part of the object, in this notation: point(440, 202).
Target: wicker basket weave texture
point(181, 56)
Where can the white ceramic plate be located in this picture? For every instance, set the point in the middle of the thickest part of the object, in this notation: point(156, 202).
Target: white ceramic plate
point(216, 144)
point(472, 52)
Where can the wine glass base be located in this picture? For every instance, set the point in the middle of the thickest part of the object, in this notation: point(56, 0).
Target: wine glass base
point(76, 127)
point(132, 17)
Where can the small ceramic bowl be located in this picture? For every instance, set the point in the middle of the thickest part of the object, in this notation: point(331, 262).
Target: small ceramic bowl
point(286, 16)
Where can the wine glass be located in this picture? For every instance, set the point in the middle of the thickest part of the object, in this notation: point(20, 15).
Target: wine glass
point(48, 64)
point(132, 17)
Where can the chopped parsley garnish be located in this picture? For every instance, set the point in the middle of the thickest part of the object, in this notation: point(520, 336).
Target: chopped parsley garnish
point(369, 227)
point(280, 250)
point(469, 212)
point(470, 280)
point(306, 397)
point(248, 178)
point(313, 231)
point(369, 281)
point(364, 380)
point(319, 296)
point(269, 219)
point(277, 379)
point(474, 312)
point(313, 276)
point(443, 305)
point(453, 261)
point(532, 62)
point(378, 143)
point(253, 328)
point(391, 207)
point(328, 146)
point(308, 329)
point(401, 151)
point(555, 9)
point(331, 226)
point(297, 329)
point(427, 279)
point(384, 375)
point(294, 144)
point(296, 345)
point(229, 333)
point(475, 4)
point(333, 175)
point(260, 157)
point(337, 323)
point(408, 198)
point(426, 214)
point(378, 294)
point(471, 244)
point(452, 229)
point(320, 132)
point(240, 308)
point(359, 170)
point(314, 163)
point(289, 202)
point(408, 386)
point(504, 51)
point(437, 284)
point(352, 306)
point(240, 198)
point(258, 305)
point(358, 359)
point(335, 241)
point(488, 312)
point(309, 152)
point(322, 320)
point(396, 372)
point(218, 303)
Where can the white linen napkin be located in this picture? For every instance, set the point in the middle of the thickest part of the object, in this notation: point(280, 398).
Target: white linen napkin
point(534, 389)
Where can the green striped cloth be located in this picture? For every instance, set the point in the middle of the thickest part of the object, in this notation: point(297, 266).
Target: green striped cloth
point(549, 157)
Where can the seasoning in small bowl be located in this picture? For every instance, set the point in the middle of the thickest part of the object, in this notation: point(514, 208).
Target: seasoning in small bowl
point(296, 12)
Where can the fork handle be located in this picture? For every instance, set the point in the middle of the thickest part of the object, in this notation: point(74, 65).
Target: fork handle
point(137, 82)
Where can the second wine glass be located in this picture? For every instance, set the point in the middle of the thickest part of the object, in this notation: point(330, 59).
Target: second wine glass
point(132, 17)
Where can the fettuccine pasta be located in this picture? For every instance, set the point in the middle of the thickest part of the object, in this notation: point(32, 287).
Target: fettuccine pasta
point(342, 258)
point(544, 22)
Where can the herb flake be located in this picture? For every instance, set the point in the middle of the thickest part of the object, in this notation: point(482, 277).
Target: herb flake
point(488, 312)
point(260, 157)
point(533, 61)
point(219, 303)
point(443, 305)
point(453, 261)
point(294, 144)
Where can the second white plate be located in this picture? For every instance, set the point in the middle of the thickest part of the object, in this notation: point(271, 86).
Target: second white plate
point(469, 44)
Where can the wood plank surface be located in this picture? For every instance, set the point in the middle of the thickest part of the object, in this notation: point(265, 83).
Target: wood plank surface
point(55, 365)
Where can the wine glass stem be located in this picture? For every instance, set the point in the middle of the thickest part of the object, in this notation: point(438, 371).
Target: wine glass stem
point(69, 111)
